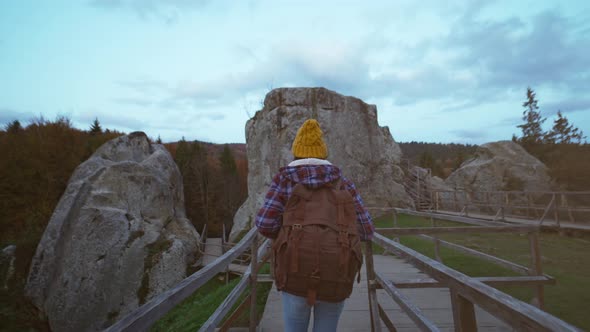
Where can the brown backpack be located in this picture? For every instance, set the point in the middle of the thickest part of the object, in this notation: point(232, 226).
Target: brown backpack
point(317, 251)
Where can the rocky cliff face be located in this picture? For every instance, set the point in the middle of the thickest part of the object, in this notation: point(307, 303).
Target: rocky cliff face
point(117, 237)
point(499, 166)
point(366, 152)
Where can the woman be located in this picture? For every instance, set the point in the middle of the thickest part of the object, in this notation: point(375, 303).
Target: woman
point(311, 169)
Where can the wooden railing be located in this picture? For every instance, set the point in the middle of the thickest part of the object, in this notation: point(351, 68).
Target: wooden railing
point(558, 206)
point(143, 317)
point(465, 291)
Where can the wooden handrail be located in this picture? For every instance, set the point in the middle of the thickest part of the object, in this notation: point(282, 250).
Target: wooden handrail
point(482, 255)
point(466, 220)
point(143, 317)
point(467, 290)
point(455, 230)
point(516, 192)
point(413, 311)
point(250, 276)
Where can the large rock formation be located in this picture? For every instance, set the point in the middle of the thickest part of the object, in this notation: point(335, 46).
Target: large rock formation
point(500, 166)
point(117, 237)
point(7, 259)
point(366, 152)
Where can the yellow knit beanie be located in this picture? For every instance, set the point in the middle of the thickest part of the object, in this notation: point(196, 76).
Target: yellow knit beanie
point(309, 142)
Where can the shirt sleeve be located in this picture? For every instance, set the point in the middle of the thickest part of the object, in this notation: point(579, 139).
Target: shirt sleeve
point(364, 222)
point(269, 217)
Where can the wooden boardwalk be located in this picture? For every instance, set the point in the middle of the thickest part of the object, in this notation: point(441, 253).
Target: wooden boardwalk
point(213, 250)
point(434, 302)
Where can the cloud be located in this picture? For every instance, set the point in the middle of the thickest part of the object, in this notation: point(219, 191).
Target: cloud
point(110, 119)
point(470, 135)
point(8, 115)
point(565, 106)
point(476, 61)
point(168, 11)
point(513, 53)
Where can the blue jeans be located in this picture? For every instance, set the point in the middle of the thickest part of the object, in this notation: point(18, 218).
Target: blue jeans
point(296, 314)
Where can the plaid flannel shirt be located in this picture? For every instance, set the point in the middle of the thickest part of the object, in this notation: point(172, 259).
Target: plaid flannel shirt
point(269, 217)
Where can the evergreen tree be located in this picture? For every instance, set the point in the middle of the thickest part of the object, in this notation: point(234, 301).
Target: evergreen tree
point(532, 133)
point(159, 140)
point(95, 128)
point(228, 163)
point(564, 132)
point(14, 127)
point(426, 160)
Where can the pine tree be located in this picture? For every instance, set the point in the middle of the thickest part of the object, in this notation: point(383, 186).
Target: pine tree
point(564, 132)
point(95, 128)
point(228, 163)
point(426, 160)
point(532, 133)
point(14, 127)
point(159, 140)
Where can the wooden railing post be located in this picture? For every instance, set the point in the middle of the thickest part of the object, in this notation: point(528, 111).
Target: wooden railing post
point(253, 283)
point(395, 223)
point(371, 287)
point(555, 211)
point(463, 313)
point(536, 267)
point(436, 197)
point(436, 242)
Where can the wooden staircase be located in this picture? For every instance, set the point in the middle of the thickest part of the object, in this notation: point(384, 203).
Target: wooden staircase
point(417, 185)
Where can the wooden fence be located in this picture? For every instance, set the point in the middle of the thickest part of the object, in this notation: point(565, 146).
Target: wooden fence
point(558, 206)
point(142, 318)
point(465, 291)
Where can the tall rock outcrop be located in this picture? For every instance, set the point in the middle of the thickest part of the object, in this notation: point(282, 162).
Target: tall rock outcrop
point(366, 152)
point(118, 237)
point(500, 166)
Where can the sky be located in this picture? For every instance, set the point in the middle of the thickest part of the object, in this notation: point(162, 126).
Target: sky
point(438, 71)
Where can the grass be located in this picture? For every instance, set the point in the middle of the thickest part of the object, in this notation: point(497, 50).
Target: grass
point(196, 309)
point(564, 258)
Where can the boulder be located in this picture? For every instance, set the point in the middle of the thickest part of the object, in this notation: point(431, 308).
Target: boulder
point(496, 166)
point(501, 166)
point(7, 259)
point(366, 152)
point(118, 237)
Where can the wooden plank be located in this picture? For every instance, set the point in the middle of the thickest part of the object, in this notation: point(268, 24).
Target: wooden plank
point(449, 217)
point(226, 305)
point(265, 278)
point(514, 312)
point(385, 319)
point(253, 285)
point(463, 313)
point(457, 230)
point(407, 306)
point(496, 260)
point(547, 209)
point(521, 281)
point(143, 317)
point(437, 255)
point(372, 292)
point(536, 268)
point(239, 310)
